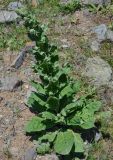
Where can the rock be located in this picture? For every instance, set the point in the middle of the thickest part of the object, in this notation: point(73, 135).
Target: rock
point(98, 136)
point(95, 46)
point(109, 35)
point(101, 2)
point(100, 32)
point(20, 58)
point(47, 157)
point(98, 71)
point(103, 33)
point(30, 154)
point(8, 16)
point(10, 83)
point(14, 5)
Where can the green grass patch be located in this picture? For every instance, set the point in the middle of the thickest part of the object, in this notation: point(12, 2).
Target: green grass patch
point(12, 36)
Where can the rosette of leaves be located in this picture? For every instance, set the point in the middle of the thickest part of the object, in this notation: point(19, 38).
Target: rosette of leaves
point(60, 118)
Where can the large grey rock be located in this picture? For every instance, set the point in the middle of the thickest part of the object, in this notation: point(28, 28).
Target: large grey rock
point(47, 157)
point(98, 71)
point(102, 2)
point(100, 32)
point(14, 5)
point(103, 33)
point(30, 154)
point(8, 16)
point(10, 83)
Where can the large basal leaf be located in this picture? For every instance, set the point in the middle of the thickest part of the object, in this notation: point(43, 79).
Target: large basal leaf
point(64, 142)
point(68, 109)
point(88, 117)
point(66, 91)
point(48, 116)
point(94, 106)
point(84, 119)
point(43, 148)
point(79, 144)
point(48, 137)
point(72, 107)
point(37, 98)
point(38, 87)
point(36, 107)
point(35, 124)
point(74, 119)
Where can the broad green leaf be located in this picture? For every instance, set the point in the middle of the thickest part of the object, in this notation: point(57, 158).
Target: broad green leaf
point(79, 144)
point(53, 103)
point(38, 87)
point(62, 71)
point(68, 109)
point(94, 106)
point(88, 119)
point(54, 57)
point(43, 148)
point(35, 125)
point(74, 119)
point(36, 107)
point(66, 91)
point(36, 97)
point(48, 115)
point(49, 137)
point(64, 142)
point(77, 105)
point(84, 119)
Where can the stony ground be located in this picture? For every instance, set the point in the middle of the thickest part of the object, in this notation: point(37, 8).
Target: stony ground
point(85, 41)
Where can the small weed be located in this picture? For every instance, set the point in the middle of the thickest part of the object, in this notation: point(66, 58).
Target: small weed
point(70, 7)
point(12, 37)
point(95, 8)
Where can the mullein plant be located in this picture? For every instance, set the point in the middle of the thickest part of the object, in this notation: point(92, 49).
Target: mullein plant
point(60, 119)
